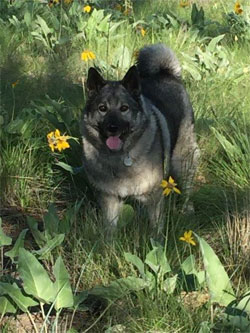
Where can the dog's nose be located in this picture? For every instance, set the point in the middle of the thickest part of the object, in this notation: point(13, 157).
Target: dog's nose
point(112, 128)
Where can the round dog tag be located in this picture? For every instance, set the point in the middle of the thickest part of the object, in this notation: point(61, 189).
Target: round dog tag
point(128, 161)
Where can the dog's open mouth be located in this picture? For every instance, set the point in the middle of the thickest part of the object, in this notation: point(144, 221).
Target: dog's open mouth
point(114, 143)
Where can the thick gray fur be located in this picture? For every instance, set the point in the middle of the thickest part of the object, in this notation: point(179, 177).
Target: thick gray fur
point(157, 133)
point(156, 58)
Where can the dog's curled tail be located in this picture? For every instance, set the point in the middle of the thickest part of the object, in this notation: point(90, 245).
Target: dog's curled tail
point(158, 58)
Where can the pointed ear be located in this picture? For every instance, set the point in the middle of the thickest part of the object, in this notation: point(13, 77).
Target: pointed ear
point(131, 81)
point(95, 81)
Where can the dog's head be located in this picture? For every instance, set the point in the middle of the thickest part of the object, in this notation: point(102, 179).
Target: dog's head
point(113, 107)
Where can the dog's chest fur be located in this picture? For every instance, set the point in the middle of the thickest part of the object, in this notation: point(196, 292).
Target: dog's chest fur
point(110, 174)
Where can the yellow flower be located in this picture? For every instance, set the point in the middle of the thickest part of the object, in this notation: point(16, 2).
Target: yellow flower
point(169, 186)
point(62, 143)
point(184, 3)
point(86, 9)
point(143, 32)
point(14, 83)
point(237, 8)
point(87, 55)
point(57, 141)
point(187, 237)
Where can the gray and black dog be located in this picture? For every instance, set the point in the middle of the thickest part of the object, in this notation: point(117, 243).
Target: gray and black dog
point(138, 131)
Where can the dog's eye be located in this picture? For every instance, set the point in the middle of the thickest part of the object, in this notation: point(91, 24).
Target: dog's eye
point(124, 108)
point(102, 108)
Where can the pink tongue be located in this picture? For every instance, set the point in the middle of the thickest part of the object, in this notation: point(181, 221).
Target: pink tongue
point(114, 142)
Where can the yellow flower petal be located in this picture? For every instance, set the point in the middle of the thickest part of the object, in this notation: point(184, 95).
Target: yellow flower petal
point(57, 133)
point(52, 147)
point(164, 183)
point(192, 242)
point(87, 55)
point(50, 135)
point(86, 9)
point(177, 190)
point(187, 237)
point(143, 32)
point(171, 181)
point(167, 191)
point(61, 145)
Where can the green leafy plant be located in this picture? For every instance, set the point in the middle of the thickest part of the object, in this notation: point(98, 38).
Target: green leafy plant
point(37, 287)
point(54, 229)
point(213, 56)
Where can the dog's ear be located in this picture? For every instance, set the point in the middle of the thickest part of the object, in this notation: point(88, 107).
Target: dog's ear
point(131, 81)
point(94, 82)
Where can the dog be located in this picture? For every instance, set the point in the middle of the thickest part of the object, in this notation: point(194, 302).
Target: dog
point(138, 131)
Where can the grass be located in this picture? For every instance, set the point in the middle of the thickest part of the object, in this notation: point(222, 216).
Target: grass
point(44, 57)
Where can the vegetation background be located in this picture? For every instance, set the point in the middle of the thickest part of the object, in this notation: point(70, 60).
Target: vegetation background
point(46, 203)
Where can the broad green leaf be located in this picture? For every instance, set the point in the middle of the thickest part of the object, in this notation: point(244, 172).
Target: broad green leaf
point(46, 30)
point(36, 281)
point(50, 245)
point(13, 253)
point(192, 70)
point(151, 280)
point(119, 288)
point(169, 284)
point(27, 18)
point(157, 261)
point(22, 301)
point(136, 261)
point(219, 284)
point(244, 303)
point(79, 298)
point(51, 221)
point(214, 42)
point(38, 235)
point(4, 240)
point(235, 322)
point(63, 291)
point(188, 265)
point(6, 306)
point(15, 126)
point(66, 167)
point(201, 276)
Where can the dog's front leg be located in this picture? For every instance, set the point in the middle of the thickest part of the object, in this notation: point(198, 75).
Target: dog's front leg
point(111, 207)
point(155, 208)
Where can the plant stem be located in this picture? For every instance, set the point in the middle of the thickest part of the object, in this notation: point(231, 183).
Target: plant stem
point(14, 105)
point(43, 315)
point(1, 266)
point(32, 321)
